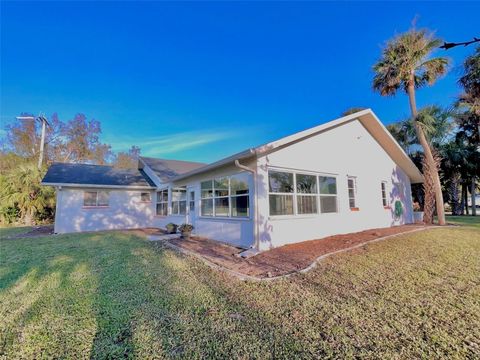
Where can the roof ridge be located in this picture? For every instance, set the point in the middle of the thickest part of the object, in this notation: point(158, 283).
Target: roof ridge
point(163, 159)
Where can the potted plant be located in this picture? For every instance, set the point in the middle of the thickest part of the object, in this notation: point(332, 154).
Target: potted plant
point(417, 213)
point(171, 228)
point(186, 230)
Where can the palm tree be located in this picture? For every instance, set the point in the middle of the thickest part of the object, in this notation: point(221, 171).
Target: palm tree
point(406, 65)
point(470, 81)
point(21, 188)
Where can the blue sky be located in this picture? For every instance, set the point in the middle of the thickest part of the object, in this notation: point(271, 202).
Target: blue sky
point(199, 81)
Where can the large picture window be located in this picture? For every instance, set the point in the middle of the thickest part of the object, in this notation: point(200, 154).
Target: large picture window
point(225, 197)
point(95, 198)
point(179, 201)
point(162, 203)
point(328, 194)
point(239, 195)
point(281, 192)
point(306, 194)
point(300, 194)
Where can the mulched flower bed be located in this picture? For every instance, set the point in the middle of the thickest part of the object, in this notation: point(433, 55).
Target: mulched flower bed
point(285, 259)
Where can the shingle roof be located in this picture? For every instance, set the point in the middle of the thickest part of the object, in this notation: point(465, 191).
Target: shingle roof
point(168, 169)
point(86, 174)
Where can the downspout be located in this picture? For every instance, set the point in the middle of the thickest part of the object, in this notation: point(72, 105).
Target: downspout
point(255, 218)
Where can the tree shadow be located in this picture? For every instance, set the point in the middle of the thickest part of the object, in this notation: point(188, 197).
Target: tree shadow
point(131, 297)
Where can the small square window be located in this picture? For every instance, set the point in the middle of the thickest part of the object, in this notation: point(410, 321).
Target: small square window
point(145, 197)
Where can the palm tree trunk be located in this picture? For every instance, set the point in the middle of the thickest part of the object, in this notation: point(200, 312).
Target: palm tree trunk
point(465, 186)
point(433, 170)
point(454, 200)
point(472, 193)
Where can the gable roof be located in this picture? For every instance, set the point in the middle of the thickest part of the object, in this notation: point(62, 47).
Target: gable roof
point(366, 117)
point(66, 174)
point(169, 169)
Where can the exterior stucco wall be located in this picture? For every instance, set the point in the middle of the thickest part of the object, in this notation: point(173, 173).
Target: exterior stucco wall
point(235, 231)
point(125, 211)
point(348, 150)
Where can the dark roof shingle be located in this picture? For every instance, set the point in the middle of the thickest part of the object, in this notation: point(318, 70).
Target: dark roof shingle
point(168, 169)
point(86, 174)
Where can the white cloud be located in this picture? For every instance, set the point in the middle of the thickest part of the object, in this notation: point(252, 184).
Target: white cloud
point(169, 144)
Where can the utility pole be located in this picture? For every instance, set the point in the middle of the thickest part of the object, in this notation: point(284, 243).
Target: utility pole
point(44, 122)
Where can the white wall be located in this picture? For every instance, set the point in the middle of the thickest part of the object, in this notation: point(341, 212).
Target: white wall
point(125, 211)
point(235, 231)
point(346, 150)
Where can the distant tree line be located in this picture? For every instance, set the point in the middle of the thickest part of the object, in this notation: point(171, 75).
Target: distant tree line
point(22, 198)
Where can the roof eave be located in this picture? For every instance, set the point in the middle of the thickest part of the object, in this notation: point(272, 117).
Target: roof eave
point(228, 160)
point(75, 185)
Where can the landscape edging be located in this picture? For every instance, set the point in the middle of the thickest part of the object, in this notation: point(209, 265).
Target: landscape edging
point(310, 267)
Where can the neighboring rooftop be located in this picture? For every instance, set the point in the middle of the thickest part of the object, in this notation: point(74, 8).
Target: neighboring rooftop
point(169, 169)
point(98, 175)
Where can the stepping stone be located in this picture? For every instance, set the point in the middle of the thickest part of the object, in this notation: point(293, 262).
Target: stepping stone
point(163, 237)
point(248, 253)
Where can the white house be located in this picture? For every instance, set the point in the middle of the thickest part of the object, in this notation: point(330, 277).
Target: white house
point(343, 176)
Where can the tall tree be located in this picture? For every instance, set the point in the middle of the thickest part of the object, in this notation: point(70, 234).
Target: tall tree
point(470, 82)
point(129, 159)
point(438, 125)
point(469, 120)
point(82, 141)
point(23, 137)
point(405, 64)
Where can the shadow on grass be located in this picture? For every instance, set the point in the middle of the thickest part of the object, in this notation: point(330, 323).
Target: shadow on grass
point(116, 295)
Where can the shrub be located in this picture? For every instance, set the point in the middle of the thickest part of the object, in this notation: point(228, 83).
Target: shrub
point(186, 227)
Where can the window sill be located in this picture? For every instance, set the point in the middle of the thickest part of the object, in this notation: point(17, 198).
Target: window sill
point(223, 218)
point(94, 207)
point(301, 216)
point(160, 216)
point(355, 209)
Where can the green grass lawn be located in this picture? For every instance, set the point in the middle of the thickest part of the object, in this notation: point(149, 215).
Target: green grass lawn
point(8, 231)
point(464, 220)
point(112, 295)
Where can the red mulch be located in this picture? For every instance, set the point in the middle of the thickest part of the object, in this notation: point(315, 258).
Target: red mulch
point(285, 259)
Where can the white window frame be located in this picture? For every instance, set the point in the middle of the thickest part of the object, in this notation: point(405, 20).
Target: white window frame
point(149, 197)
point(355, 188)
point(383, 187)
point(191, 201)
point(96, 199)
point(327, 195)
point(229, 196)
point(178, 213)
point(295, 193)
point(161, 202)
